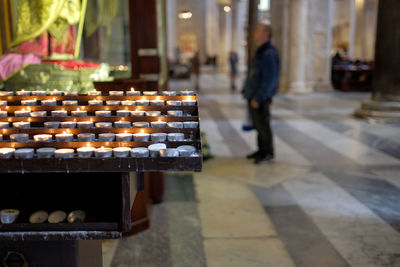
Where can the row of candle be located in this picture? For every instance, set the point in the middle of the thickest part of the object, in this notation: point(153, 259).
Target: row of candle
point(116, 124)
point(98, 113)
point(154, 150)
point(94, 92)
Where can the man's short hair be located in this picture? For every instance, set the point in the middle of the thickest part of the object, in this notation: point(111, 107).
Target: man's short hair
point(267, 28)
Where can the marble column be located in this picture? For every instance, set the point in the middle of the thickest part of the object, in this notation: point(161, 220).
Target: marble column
point(235, 26)
point(385, 102)
point(225, 20)
point(251, 26)
point(212, 29)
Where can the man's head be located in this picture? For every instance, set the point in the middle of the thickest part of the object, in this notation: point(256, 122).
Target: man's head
point(262, 34)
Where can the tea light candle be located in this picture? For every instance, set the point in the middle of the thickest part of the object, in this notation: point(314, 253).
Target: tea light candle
point(86, 137)
point(24, 153)
point(123, 113)
point(49, 102)
point(95, 102)
point(103, 124)
point(106, 137)
point(141, 137)
point(103, 113)
point(23, 93)
point(158, 124)
point(142, 102)
point(154, 149)
point(6, 152)
point(71, 93)
point(70, 102)
point(39, 93)
point(128, 103)
point(45, 152)
point(141, 124)
point(175, 113)
point(121, 152)
point(186, 151)
point(43, 137)
point(6, 93)
point(190, 124)
point(85, 152)
point(156, 102)
point(139, 152)
point(29, 102)
point(176, 137)
point(137, 113)
point(64, 153)
point(19, 137)
point(59, 113)
point(22, 125)
point(85, 124)
point(188, 102)
point(174, 124)
point(150, 93)
point(94, 93)
point(79, 113)
point(122, 124)
point(169, 93)
point(113, 102)
point(4, 125)
point(64, 137)
point(169, 152)
point(103, 152)
point(132, 92)
point(52, 124)
point(175, 103)
point(123, 137)
point(3, 113)
point(1, 137)
point(158, 137)
point(8, 216)
point(153, 113)
point(22, 113)
point(37, 114)
point(68, 124)
point(186, 93)
point(116, 93)
point(3, 103)
point(55, 92)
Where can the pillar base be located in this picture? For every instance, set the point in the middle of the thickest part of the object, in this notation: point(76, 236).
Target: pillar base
point(300, 88)
point(383, 111)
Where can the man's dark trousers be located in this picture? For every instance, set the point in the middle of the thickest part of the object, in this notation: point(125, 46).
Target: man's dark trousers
point(261, 122)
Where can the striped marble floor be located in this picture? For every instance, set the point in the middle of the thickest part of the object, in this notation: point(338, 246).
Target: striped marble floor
point(330, 198)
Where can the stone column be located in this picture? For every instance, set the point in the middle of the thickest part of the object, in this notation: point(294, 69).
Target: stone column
point(212, 29)
point(251, 26)
point(235, 26)
point(224, 38)
point(385, 102)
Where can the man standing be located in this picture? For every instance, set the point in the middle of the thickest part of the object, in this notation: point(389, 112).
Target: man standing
point(260, 86)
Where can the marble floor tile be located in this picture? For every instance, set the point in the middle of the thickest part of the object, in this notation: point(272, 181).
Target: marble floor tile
point(108, 249)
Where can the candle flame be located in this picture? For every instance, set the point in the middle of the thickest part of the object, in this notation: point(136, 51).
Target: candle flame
point(102, 147)
point(54, 99)
point(159, 120)
point(132, 89)
point(23, 90)
point(23, 109)
point(142, 131)
point(78, 109)
point(68, 131)
point(158, 98)
point(88, 144)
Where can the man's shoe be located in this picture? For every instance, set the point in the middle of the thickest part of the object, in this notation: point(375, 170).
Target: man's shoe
point(254, 155)
point(262, 159)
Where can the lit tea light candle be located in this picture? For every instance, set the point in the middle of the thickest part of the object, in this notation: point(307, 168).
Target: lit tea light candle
point(174, 103)
point(45, 152)
point(59, 113)
point(49, 102)
point(186, 150)
point(21, 125)
point(150, 93)
point(175, 113)
point(103, 124)
point(64, 153)
point(137, 113)
point(86, 137)
point(123, 137)
point(39, 93)
point(70, 102)
point(3, 113)
point(68, 124)
point(141, 137)
point(23, 93)
point(95, 102)
point(19, 137)
point(186, 93)
point(4, 125)
point(142, 102)
point(29, 102)
point(157, 102)
point(3, 103)
point(113, 102)
point(188, 102)
point(22, 113)
point(85, 124)
point(103, 113)
point(153, 113)
point(176, 137)
point(52, 124)
point(169, 152)
point(154, 149)
point(43, 137)
point(141, 124)
point(139, 152)
point(71, 93)
point(94, 92)
point(79, 113)
point(132, 92)
point(116, 93)
point(121, 152)
point(158, 124)
point(37, 114)
point(64, 137)
point(6, 152)
point(106, 137)
point(174, 124)
point(55, 92)
point(158, 137)
point(103, 152)
point(123, 113)
point(24, 153)
point(190, 124)
point(6, 93)
point(128, 103)
point(122, 124)
point(169, 93)
point(85, 152)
